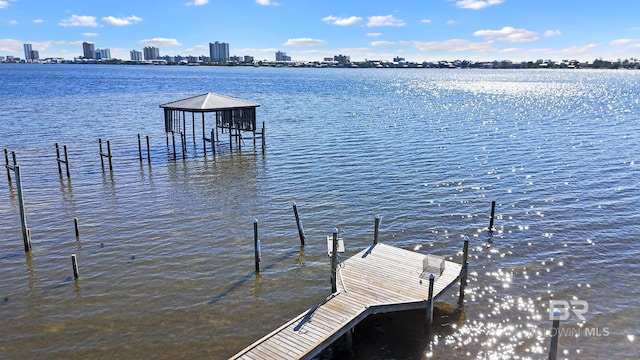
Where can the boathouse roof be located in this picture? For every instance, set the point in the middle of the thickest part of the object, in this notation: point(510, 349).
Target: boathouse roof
point(209, 102)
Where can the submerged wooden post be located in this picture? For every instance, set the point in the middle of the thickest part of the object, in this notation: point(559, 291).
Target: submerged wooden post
point(74, 263)
point(173, 139)
point(109, 154)
point(262, 134)
point(66, 160)
point(213, 145)
point(101, 153)
point(139, 148)
point(464, 271)
point(334, 261)
point(553, 347)
point(148, 150)
point(75, 225)
point(375, 230)
point(6, 160)
point(58, 159)
point(493, 211)
point(256, 245)
point(26, 235)
point(299, 223)
point(430, 302)
point(193, 126)
point(183, 137)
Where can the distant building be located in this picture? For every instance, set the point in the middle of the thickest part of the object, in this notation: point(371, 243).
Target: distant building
point(342, 59)
point(103, 54)
point(135, 55)
point(219, 52)
point(35, 55)
point(151, 53)
point(248, 59)
point(88, 50)
point(27, 52)
point(282, 56)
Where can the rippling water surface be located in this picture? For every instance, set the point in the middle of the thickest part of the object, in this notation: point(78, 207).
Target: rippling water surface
point(166, 250)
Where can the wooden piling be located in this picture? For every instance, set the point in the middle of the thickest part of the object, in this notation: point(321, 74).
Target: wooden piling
point(139, 148)
point(230, 137)
point(26, 236)
point(74, 263)
point(256, 245)
point(464, 271)
point(299, 223)
point(148, 150)
point(61, 160)
point(109, 155)
point(376, 228)
point(173, 140)
point(334, 261)
point(6, 160)
point(75, 225)
point(493, 211)
point(182, 142)
point(213, 144)
point(101, 153)
point(553, 347)
point(430, 301)
point(263, 136)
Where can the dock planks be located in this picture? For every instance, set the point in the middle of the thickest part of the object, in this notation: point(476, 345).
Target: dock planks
point(378, 279)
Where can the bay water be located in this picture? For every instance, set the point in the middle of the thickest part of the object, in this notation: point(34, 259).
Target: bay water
point(166, 250)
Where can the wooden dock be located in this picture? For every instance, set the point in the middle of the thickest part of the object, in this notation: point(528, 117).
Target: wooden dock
point(378, 279)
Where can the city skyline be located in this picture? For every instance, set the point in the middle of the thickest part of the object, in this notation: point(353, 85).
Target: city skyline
point(431, 30)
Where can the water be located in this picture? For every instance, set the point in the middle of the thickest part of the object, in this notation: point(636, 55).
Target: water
point(165, 251)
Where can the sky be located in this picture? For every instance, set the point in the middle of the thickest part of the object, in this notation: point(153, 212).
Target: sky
point(310, 30)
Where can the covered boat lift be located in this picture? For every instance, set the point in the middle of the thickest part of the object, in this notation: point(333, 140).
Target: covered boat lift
point(235, 115)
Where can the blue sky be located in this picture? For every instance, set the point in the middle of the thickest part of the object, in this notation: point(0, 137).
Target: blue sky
point(417, 30)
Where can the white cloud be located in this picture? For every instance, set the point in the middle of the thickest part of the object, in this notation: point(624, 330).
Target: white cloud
point(454, 45)
point(79, 20)
point(426, 21)
point(509, 34)
point(10, 45)
point(13, 22)
point(385, 20)
point(352, 20)
point(197, 3)
point(130, 20)
point(304, 42)
point(450, 22)
point(267, 3)
point(626, 43)
point(38, 21)
point(374, 34)
point(3, 4)
point(550, 33)
point(160, 42)
point(477, 4)
point(382, 43)
point(89, 34)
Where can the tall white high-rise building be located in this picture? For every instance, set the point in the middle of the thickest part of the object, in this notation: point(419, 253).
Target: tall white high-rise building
point(27, 52)
point(219, 52)
point(135, 55)
point(151, 53)
point(88, 50)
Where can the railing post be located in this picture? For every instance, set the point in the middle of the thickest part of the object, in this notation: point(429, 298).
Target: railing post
point(375, 230)
point(334, 261)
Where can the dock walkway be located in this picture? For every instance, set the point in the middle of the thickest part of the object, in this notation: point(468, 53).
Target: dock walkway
point(378, 279)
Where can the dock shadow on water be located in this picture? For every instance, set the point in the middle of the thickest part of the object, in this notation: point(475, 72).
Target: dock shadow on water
point(399, 335)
